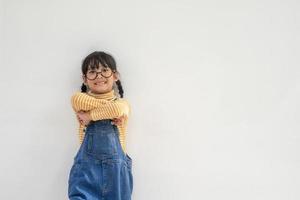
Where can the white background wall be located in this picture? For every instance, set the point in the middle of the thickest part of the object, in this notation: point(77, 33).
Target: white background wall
point(214, 88)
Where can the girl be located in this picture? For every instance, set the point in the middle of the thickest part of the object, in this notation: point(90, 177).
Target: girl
point(101, 169)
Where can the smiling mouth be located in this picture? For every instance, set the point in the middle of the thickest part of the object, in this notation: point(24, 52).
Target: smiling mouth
point(100, 83)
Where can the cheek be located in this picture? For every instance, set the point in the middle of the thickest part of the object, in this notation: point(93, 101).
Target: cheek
point(89, 81)
point(90, 84)
point(110, 82)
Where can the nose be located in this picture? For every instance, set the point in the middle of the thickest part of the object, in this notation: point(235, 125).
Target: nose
point(99, 75)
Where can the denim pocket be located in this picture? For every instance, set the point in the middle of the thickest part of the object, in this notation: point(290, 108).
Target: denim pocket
point(101, 144)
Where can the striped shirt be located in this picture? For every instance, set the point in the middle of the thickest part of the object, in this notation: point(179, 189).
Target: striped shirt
point(102, 106)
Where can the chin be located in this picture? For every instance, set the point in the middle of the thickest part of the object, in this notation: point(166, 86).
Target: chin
point(100, 90)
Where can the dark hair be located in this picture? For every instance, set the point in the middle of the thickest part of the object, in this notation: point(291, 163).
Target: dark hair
point(93, 60)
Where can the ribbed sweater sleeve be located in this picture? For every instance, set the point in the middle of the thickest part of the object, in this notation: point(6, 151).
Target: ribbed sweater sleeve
point(100, 109)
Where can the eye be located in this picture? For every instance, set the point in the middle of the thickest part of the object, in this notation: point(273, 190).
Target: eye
point(92, 72)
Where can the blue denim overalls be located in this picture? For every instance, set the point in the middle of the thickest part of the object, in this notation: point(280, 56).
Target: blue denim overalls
point(101, 170)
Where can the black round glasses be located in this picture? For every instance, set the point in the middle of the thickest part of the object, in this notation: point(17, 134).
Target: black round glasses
point(105, 72)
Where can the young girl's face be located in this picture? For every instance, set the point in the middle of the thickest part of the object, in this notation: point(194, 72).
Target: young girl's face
point(103, 82)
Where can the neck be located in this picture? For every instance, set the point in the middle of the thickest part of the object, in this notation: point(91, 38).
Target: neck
point(110, 95)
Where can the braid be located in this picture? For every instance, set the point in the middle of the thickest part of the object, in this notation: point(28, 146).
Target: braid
point(83, 88)
point(120, 88)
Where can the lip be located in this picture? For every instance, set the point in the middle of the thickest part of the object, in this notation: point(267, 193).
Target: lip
point(100, 82)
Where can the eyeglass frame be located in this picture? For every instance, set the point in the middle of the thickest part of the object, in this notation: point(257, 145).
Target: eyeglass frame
point(113, 71)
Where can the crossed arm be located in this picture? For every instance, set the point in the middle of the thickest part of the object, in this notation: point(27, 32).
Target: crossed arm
point(100, 108)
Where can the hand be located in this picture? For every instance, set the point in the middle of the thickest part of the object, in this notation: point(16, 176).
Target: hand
point(83, 117)
point(119, 121)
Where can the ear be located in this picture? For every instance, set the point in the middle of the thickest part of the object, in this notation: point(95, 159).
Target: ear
point(116, 76)
point(84, 79)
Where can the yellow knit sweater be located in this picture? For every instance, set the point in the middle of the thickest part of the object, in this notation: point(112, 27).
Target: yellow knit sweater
point(102, 106)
